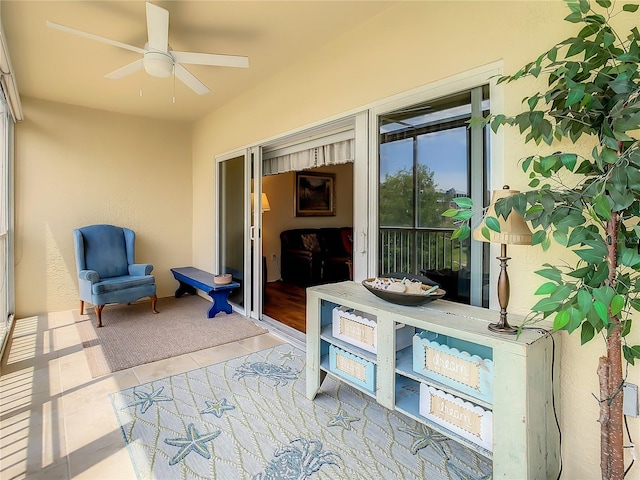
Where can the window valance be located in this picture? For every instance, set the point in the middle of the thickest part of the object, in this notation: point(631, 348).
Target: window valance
point(334, 150)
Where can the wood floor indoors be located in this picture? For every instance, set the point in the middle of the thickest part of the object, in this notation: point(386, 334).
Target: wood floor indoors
point(286, 303)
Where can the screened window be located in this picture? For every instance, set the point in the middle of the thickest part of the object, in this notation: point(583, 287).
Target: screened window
point(5, 307)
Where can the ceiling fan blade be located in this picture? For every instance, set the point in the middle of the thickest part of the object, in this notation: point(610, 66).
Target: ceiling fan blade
point(74, 31)
point(211, 59)
point(186, 77)
point(158, 27)
point(126, 70)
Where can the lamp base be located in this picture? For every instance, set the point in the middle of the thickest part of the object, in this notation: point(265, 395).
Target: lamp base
point(502, 328)
point(503, 296)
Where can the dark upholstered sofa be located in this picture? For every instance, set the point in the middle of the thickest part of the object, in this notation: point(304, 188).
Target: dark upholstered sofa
point(311, 256)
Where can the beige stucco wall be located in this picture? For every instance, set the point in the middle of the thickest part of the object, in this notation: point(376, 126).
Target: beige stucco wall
point(76, 167)
point(407, 46)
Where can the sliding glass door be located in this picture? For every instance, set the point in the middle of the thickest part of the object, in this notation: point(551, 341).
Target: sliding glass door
point(256, 260)
point(238, 227)
point(230, 225)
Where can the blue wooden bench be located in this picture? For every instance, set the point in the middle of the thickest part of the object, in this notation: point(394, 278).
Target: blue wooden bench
point(191, 278)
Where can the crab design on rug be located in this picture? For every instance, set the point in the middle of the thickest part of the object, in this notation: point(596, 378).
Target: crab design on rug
point(292, 463)
point(279, 374)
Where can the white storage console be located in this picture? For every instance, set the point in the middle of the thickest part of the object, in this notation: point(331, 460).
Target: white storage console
point(491, 392)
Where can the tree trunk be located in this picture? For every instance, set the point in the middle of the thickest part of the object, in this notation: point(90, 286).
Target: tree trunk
point(614, 405)
point(610, 376)
point(605, 449)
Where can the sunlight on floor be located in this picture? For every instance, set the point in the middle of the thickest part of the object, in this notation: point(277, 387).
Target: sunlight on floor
point(25, 336)
point(56, 421)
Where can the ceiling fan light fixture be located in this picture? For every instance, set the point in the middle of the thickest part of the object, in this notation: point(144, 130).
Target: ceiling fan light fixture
point(157, 57)
point(158, 64)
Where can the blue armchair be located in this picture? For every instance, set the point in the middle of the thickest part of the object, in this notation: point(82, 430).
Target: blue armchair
point(106, 269)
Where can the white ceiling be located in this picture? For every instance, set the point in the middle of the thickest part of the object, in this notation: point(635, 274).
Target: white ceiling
point(57, 66)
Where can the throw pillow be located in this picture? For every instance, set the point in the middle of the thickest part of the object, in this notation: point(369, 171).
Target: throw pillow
point(310, 242)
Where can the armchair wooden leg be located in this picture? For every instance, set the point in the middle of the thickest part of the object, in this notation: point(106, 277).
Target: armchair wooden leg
point(81, 307)
point(154, 299)
point(98, 309)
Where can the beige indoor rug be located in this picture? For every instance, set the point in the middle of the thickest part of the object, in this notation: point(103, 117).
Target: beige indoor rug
point(132, 335)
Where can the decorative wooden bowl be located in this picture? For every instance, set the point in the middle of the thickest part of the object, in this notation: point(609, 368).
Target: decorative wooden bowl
point(404, 298)
point(222, 279)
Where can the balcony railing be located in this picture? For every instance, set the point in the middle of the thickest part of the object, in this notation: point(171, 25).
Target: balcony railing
point(411, 250)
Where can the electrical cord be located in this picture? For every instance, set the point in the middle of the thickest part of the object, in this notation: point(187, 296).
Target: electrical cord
point(631, 445)
point(553, 400)
point(544, 331)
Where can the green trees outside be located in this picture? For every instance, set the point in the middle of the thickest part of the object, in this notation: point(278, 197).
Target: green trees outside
point(397, 200)
point(417, 248)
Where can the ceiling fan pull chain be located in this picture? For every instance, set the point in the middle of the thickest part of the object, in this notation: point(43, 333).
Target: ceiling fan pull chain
point(141, 78)
point(174, 84)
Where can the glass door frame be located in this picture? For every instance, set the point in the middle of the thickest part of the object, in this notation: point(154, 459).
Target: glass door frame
point(252, 228)
point(469, 80)
point(217, 244)
point(255, 232)
point(365, 174)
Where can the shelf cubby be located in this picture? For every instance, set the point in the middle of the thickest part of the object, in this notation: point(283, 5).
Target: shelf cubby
point(524, 440)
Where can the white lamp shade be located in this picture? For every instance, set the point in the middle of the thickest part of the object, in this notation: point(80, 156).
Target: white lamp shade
point(266, 206)
point(513, 231)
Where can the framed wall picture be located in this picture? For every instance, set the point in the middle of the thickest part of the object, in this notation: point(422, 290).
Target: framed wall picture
point(315, 194)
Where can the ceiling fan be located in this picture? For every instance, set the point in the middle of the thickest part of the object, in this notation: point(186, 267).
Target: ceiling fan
point(158, 59)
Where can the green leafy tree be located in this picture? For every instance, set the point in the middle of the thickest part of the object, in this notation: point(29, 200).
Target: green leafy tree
point(589, 204)
point(397, 207)
point(397, 199)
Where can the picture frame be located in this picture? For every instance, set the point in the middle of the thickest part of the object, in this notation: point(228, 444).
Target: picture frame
point(315, 194)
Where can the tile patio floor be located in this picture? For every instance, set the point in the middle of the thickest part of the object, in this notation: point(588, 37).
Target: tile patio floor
point(56, 422)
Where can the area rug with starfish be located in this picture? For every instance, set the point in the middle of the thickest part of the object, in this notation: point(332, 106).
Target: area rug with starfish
point(249, 418)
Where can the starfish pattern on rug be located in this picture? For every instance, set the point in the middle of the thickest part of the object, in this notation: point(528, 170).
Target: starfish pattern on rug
point(193, 442)
point(342, 419)
point(423, 437)
point(290, 355)
point(146, 399)
point(300, 453)
point(464, 475)
point(217, 408)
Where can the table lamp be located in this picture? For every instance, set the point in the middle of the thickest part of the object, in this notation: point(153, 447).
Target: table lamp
point(266, 207)
point(513, 231)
